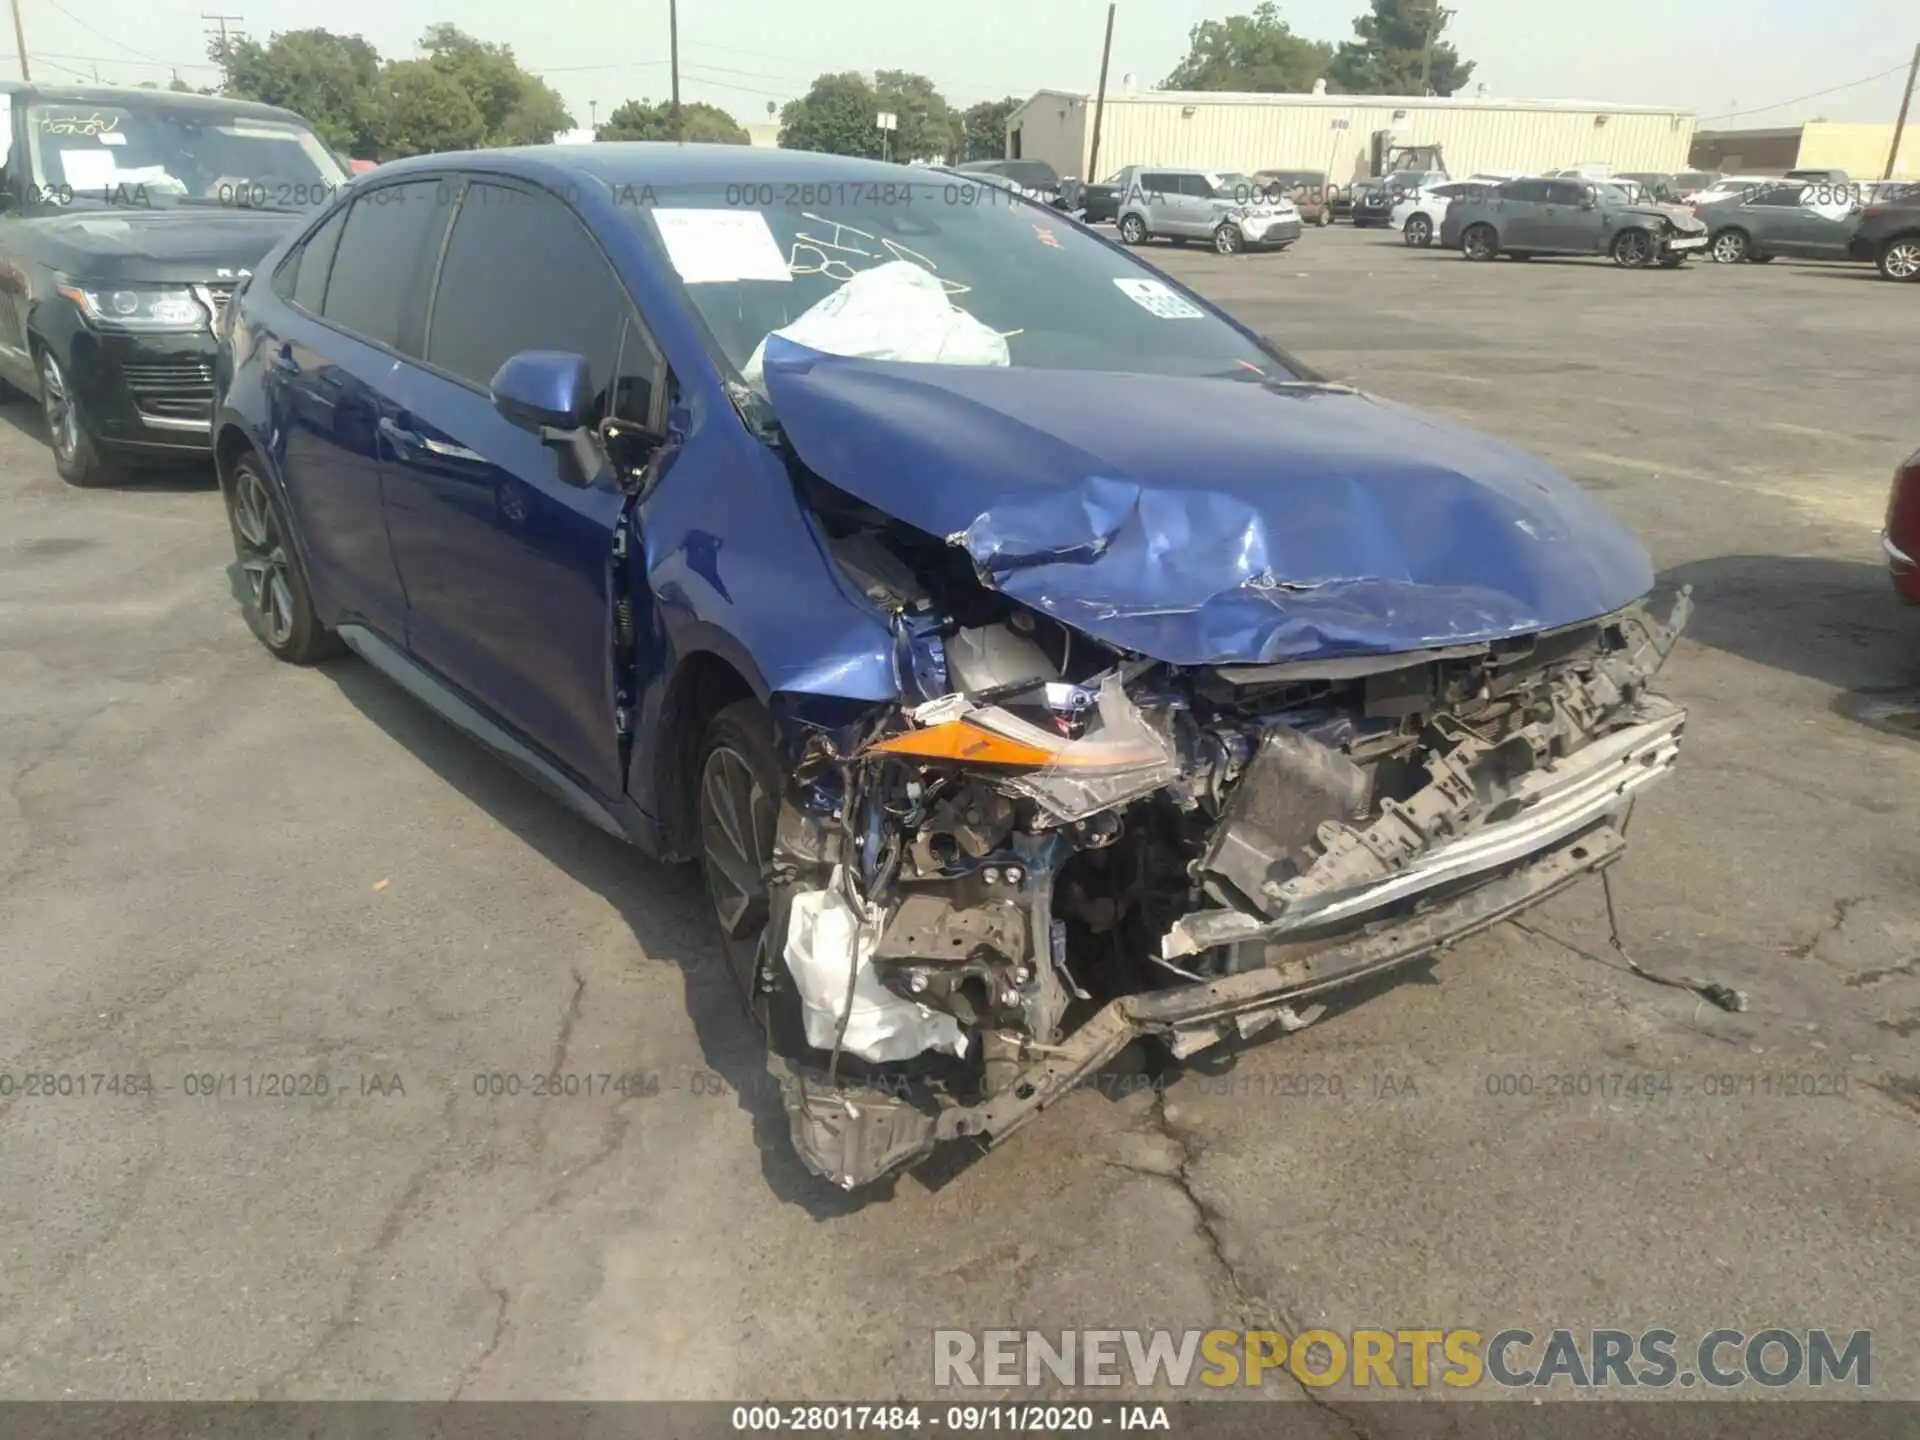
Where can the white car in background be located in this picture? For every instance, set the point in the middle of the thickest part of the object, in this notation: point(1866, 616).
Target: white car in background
point(1417, 216)
point(1732, 187)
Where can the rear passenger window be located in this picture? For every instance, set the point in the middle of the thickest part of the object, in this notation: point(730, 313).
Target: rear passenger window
point(314, 260)
point(383, 259)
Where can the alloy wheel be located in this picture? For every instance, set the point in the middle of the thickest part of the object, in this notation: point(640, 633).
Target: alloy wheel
point(1419, 231)
point(1132, 230)
point(263, 556)
point(1632, 249)
point(1478, 243)
point(736, 824)
point(1730, 248)
point(1902, 260)
point(1226, 240)
point(63, 423)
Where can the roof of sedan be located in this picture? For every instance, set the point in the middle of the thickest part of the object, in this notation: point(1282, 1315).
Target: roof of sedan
point(651, 162)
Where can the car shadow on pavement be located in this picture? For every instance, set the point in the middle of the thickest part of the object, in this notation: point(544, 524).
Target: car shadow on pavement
point(23, 415)
point(1835, 621)
point(664, 905)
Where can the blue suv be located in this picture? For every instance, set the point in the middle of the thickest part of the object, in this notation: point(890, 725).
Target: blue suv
point(1033, 657)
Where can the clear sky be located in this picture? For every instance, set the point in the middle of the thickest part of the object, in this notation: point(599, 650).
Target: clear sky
point(1713, 56)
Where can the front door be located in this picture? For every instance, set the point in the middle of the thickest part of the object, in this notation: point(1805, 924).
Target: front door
point(505, 549)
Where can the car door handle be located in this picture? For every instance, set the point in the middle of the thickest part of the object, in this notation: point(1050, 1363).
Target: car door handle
point(407, 442)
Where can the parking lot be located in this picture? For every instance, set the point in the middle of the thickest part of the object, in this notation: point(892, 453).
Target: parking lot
point(216, 869)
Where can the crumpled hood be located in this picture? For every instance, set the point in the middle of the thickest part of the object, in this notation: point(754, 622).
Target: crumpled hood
point(1213, 521)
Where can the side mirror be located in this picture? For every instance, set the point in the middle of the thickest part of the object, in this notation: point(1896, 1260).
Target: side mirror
point(543, 390)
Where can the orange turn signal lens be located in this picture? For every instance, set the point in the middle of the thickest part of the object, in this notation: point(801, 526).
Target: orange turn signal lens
point(966, 744)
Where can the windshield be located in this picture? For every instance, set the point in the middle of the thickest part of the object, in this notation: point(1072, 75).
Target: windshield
point(158, 155)
point(1059, 298)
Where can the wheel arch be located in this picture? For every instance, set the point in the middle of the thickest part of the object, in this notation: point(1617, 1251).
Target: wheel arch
point(701, 686)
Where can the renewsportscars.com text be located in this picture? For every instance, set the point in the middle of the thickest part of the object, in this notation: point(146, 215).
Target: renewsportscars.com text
point(1516, 1358)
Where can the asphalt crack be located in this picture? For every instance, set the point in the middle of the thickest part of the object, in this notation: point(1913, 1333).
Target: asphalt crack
point(1842, 908)
point(1253, 1312)
point(1874, 977)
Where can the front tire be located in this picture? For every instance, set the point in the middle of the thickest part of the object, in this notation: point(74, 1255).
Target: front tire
point(1326, 218)
point(1900, 259)
point(1227, 240)
point(1632, 249)
point(76, 454)
point(1480, 243)
point(277, 599)
point(1418, 231)
point(1730, 247)
point(1133, 230)
point(738, 805)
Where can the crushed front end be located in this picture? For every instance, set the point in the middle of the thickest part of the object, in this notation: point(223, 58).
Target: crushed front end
point(1051, 847)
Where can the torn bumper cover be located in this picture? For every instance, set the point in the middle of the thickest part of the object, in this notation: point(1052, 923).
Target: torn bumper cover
point(1057, 865)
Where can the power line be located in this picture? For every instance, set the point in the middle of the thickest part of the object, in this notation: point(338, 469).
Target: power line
point(111, 40)
point(1833, 90)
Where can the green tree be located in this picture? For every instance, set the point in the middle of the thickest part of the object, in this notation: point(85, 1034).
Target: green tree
point(1387, 58)
point(928, 128)
point(333, 80)
point(516, 108)
point(426, 110)
point(644, 120)
point(181, 86)
point(983, 129)
point(1249, 52)
point(836, 115)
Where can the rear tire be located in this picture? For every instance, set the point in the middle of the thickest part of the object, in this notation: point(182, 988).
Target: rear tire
point(1480, 243)
point(1900, 259)
point(1730, 247)
point(278, 601)
point(1326, 218)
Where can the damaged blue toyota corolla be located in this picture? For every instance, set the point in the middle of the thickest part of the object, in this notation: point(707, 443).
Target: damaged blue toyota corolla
point(1034, 658)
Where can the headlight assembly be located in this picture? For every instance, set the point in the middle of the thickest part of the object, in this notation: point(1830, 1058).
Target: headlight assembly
point(138, 307)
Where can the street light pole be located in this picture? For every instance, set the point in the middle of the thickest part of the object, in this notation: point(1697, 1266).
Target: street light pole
point(20, 40)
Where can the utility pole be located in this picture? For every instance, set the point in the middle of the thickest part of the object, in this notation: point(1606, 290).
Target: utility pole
point(593, 117)
point(673, 38)
point(221, 21)
point(1893, 153)
point(1100, 102)
point(20, 40)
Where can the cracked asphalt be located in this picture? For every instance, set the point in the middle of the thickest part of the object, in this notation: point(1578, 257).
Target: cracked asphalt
point(216, 870)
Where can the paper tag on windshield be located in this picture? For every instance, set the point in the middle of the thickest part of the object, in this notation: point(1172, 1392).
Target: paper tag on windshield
point(112, 137)
point(88, 169)
point(710, 247)
point(1155, 298)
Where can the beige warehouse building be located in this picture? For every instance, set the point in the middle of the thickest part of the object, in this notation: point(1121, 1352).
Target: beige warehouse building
point(1338, 134)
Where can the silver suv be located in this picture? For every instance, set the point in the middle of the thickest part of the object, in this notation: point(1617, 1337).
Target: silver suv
point(1231, 211)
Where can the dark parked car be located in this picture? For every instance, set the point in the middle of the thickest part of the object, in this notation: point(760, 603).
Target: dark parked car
point(1901, 538)
point(126, 219)
point(1524, 218)
point(1374, 205)
point(1811, 221)
point(1888, 234)
point(860, 551)
point(1098, 203)
point(1031, 177)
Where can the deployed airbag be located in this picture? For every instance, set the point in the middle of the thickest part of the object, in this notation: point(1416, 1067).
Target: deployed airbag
point(896, 311)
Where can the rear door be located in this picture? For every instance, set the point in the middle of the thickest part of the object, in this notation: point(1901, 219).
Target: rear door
point(505, 550)
point(1773, 218)
point(357, 293)
point(1520, 215)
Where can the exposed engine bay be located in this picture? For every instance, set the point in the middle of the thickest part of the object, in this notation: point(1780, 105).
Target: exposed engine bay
point(1049, 847)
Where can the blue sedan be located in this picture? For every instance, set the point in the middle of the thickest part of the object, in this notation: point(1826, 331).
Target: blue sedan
point(1033, 657)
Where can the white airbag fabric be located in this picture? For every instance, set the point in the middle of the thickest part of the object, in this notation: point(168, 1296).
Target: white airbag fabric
point(826, 938)
point(895, 311)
